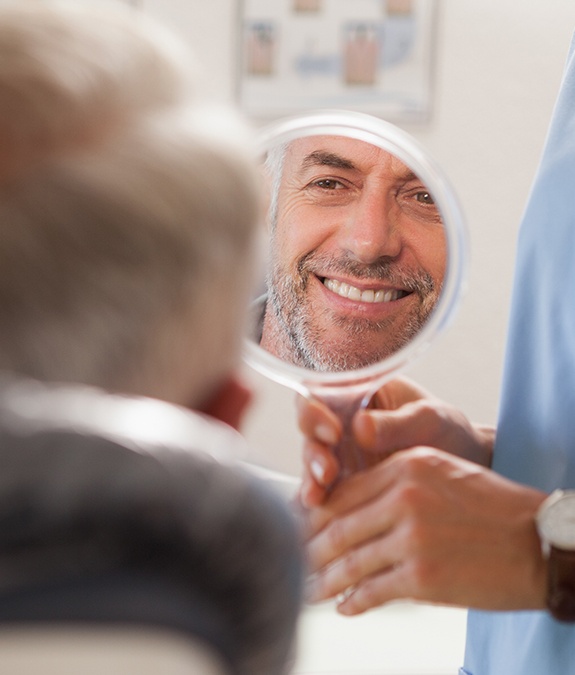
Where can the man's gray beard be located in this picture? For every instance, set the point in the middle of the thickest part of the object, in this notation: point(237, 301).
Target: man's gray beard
point(307, 341)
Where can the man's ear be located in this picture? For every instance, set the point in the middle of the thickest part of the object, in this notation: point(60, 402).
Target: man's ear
point(229, 402)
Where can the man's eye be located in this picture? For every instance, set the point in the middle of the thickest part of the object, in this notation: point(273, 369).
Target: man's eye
point(417, 202)
point(328, 184)
point(424, 198)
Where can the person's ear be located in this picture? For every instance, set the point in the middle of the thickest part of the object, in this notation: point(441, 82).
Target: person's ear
point(229, 402)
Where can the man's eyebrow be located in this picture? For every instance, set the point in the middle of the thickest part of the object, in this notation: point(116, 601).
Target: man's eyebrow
point(408, 175)
point(325, 158)
point(332, 159)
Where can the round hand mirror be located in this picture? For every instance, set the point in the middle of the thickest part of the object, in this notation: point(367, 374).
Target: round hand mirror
point(366, 256)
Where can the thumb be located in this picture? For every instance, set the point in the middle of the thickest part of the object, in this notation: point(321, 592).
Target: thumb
point(386, 431)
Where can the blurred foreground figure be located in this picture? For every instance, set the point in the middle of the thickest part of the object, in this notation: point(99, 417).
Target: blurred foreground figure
point(127, 220)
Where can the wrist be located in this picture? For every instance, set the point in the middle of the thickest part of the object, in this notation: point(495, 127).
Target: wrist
point(555, 521)
point(486, 441)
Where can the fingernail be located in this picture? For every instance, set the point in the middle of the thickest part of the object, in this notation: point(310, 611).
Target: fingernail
point(342, 605)
point(344, 610)
point(325, 434)
point(317, 471)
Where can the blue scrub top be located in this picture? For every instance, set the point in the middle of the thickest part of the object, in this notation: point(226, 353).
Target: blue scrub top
point(536, 432)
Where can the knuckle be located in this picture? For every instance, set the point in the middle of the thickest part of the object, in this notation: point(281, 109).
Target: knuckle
point(410, 495)
point(417, 537)
point(418, 464)
point(435, 419)
point(352, 566)
point(423, 575)
point(432, 414)
point(336, 535)
point(367, 595)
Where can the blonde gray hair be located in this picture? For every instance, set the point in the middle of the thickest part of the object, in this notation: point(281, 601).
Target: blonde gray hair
point(127, 206)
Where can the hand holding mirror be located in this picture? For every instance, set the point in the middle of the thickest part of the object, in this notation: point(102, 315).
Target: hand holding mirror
point(366, 257)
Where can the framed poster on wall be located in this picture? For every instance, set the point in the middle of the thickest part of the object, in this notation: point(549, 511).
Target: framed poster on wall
point(375, 56)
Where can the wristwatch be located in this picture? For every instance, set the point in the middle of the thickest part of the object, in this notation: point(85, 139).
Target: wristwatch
point(555, 523)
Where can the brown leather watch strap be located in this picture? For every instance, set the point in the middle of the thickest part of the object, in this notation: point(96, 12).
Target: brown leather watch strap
point(561, 584)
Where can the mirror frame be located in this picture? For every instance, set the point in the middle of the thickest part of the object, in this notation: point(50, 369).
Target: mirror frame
point(390, 138)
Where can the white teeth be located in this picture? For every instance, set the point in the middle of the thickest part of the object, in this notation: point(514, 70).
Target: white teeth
point(369, 295)
point(354, 293)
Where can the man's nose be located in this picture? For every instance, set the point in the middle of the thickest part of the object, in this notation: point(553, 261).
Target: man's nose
point(373, 228)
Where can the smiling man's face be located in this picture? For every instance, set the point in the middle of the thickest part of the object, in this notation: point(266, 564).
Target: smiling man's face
point(358, 255)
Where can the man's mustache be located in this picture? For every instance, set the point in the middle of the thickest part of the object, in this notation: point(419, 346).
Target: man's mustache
point(382, 269)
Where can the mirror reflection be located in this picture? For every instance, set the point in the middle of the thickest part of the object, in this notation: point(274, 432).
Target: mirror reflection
point(357, 253)
point(366, 254)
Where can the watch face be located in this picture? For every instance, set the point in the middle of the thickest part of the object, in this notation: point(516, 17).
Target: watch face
point(556, 521)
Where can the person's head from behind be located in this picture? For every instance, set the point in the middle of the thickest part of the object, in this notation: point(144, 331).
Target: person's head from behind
point(127, 208)
point(358, 253)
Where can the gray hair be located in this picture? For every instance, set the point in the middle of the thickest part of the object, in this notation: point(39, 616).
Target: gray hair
point(273, 169)
point(127, 207)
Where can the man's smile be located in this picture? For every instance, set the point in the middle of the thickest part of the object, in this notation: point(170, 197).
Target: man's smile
point(369, 295)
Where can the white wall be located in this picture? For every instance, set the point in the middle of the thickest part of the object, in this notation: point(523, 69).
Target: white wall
point(499, 65)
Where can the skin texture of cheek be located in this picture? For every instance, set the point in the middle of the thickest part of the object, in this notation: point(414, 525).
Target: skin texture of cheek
point(430, 249)
point(302, 229)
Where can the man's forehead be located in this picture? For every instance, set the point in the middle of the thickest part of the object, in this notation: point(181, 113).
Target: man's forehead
point(343, 153)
